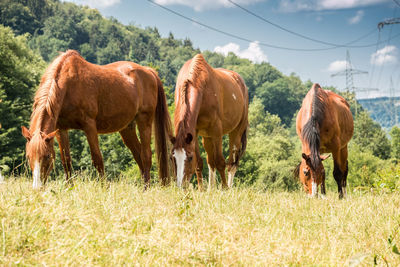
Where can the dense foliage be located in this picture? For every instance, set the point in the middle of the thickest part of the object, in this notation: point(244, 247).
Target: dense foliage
point(41, 28)
point(21, 70)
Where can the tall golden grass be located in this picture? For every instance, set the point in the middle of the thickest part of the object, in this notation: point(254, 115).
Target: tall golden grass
point(119, 224)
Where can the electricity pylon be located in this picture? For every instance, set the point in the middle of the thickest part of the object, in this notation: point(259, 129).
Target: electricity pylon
point(349, 72)
point(388, 22)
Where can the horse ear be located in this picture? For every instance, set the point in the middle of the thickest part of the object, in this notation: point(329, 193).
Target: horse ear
point(50, 136)
point(325, 157)
point(189, 138)
point(304, 156)
point(26, 133)
point(173, 140)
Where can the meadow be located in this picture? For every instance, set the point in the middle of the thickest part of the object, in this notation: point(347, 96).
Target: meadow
point(118, 224)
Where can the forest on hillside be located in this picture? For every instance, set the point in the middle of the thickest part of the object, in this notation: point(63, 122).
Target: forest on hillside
point(32, 32)
point(384, 110)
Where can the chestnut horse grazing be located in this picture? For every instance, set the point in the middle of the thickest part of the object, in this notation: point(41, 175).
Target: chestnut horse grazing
point(324, 125)
point(75, 94)
point(210, 103)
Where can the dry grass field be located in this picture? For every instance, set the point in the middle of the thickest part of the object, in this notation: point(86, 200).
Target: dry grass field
point(119, 224)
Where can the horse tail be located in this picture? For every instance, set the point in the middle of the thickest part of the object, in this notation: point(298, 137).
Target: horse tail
point(244, 135)
point(244, 143)
point(163, 131)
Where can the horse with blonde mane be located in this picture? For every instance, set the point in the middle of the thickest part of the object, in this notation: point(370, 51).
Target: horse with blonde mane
point(209, 103)
point(75, 94)
point(324, 125)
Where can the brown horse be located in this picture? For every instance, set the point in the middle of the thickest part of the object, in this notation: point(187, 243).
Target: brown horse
point(75, 94)
point(210, 103)
point(324, 125)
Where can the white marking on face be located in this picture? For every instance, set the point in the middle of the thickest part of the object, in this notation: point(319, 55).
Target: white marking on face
point(314, 189)
point(37, 183)
point(180, 157)
point(211, 177)
point(234, 97)
point(231, 176)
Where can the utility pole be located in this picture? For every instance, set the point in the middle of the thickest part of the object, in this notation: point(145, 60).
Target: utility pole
point(349, 72)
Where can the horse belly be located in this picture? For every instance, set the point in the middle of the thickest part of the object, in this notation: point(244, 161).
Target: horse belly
point(116, 112)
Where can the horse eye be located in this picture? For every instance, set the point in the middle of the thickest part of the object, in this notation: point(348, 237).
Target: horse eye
point(190, 158)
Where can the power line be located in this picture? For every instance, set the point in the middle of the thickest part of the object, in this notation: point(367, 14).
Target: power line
point(298, 34)
point(384, 56)
point(373, 63)
point(396, 2)
point(250, 41)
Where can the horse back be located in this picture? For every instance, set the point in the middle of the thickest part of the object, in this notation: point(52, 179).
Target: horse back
point(232, 98)
point(115, 92)
point(343, 116)
point(335, 124)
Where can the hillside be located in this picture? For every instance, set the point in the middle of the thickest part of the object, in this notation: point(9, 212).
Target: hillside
point(383, 110)
point(32, 32)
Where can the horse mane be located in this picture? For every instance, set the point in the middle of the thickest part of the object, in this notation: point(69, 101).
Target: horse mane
point(48, 98)
point(195, 75)
point(311, 130)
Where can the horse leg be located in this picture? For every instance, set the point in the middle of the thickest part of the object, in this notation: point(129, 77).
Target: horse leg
point(199, 164)
point(209, 147)
point(220, 160)
point(132, 142)
point(340, 170)
point(93, 140)
point(144, 122)
point(63, 143)
point(234, 155)
point(345, 167)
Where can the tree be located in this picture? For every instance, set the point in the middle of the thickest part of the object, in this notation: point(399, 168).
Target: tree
point(20, 70)
point(370, 136)
point(395, 140)
point(269, 158)
point(281, 97)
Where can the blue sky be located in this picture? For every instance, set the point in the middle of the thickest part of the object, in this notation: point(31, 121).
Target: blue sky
point(332, 21)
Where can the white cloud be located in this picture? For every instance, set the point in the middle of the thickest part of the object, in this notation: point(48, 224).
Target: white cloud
point(337, 65)
point(357, 18)
point(97, 3)
point(318, 5)
point(200, 5)
point(386, 55)
point(253, 52)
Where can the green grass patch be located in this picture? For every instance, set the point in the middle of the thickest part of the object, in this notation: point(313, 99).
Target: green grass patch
point(119, 224)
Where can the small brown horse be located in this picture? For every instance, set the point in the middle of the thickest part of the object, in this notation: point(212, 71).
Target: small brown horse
point(75, 94)
point(324, 125)
point(210, 103)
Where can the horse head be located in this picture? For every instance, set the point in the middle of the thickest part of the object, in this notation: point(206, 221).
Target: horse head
point(311, 173)
point(40, 154)
point(183, 155)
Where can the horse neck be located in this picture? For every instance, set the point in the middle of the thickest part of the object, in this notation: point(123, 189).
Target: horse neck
point(43, 123)
point(188, 111)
